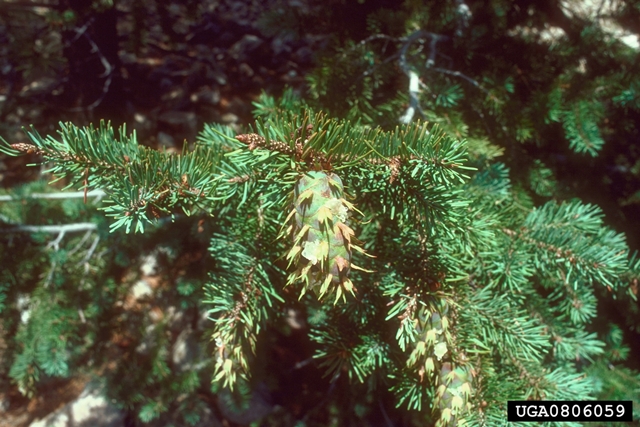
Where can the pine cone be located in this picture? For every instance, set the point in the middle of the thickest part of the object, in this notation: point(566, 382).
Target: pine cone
point(322, 240)
point(452, 395)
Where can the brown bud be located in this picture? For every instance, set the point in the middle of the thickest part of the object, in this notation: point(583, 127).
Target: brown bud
point(26, 148)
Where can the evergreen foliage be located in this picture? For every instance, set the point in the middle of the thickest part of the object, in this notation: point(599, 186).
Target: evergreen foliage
point(67, 308)
point(550, 84)
point(466, 295)
point(432, 282)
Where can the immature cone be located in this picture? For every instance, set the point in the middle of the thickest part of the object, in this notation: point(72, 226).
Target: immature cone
point(322, 240)
point(432, 356)
point(452, 395)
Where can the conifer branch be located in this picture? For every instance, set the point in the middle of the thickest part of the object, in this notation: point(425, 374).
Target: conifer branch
point(155, 183)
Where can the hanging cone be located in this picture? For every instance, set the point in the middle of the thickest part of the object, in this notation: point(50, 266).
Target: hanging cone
point(322, 240)
point(452, 395)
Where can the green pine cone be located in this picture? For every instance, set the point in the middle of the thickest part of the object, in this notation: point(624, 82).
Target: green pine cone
point(322, 240)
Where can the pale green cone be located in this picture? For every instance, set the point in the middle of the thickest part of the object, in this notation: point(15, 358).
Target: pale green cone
point(452, 395)
point(322, 246)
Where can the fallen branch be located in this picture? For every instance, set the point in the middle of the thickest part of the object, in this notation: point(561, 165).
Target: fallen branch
point(463, 76)
point(99, 194)
point(60, 229)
